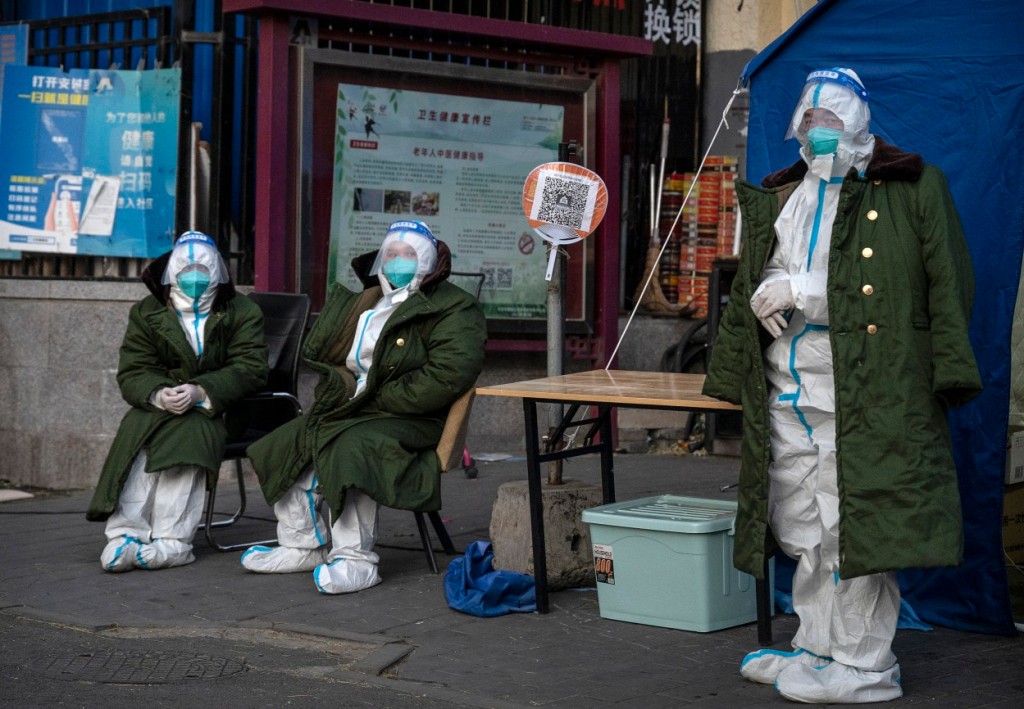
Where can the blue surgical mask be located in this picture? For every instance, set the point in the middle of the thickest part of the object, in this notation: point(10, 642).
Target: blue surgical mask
point(400, 270)
point(193, 283)
point(822, 140)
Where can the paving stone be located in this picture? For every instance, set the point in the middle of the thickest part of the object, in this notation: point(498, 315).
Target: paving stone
point(570, 657)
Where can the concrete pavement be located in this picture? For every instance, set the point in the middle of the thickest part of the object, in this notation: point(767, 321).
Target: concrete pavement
point(211, 633)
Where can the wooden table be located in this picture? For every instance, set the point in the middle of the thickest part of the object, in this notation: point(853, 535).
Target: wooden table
point(603, 390)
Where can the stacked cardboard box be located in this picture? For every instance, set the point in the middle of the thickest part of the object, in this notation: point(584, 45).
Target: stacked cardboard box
point(727, 211)
point(668, 273)
point(705, 229)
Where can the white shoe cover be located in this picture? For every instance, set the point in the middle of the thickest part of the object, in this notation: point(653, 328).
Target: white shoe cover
point(119, 554)
point(839, 684)
point(763, 666)
point(346, 576)
point(282, 560)
point(163, 554)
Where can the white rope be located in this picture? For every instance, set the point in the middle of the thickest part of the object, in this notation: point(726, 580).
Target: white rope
point(686, 199)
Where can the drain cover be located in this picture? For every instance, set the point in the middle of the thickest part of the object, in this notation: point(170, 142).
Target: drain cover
point(137, 668)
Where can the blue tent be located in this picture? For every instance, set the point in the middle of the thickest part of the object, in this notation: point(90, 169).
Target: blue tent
point(946, 79)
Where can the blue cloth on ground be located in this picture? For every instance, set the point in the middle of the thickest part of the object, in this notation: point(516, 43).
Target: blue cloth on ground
point(472, 586)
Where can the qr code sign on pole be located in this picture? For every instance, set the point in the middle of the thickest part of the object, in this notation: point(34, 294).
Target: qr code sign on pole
point(565, 199)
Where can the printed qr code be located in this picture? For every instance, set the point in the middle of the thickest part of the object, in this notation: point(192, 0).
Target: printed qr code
point(497, 278)
point(504, 279)
point(563, 202)
point(489, 281)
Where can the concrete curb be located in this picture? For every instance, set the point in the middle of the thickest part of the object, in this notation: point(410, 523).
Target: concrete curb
point(55, 618)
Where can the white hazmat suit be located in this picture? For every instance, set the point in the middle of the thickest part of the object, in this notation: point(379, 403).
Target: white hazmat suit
point(344, 561)
point(157, 514)
point(842, 649)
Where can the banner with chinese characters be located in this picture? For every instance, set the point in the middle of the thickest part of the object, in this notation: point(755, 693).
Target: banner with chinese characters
point(672, 24)
point(90, 161)
point(668, 86)
point(131, 159)
point(456, 163)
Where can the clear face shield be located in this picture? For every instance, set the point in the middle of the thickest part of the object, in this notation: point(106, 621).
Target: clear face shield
point(407, 255)
point(195, 265)
point(832, 114)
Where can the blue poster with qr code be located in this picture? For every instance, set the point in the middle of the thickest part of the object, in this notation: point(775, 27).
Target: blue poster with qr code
point(90, 161)
point(41, 137)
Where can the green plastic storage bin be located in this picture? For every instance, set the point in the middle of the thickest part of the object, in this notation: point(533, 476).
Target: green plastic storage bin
point(667, 561)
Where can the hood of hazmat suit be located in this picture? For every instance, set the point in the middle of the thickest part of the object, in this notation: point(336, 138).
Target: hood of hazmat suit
point(834, 99)
point(407, 255)
point(194, 270)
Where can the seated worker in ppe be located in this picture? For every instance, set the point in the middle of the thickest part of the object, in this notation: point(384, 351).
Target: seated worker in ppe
point(851, 302)
point(193, 347)
point(391, 359)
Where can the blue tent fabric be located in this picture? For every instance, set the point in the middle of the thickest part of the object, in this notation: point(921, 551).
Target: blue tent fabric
point(946, 80)
point(472, 586)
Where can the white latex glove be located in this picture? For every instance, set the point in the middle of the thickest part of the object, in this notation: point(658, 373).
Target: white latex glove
point(166, 399)
point(773, 297)
point(775, 323)
point(194, 394)
point(181, 398)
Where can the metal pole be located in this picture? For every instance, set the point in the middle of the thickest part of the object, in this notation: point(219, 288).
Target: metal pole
point(556, 330)
point(556, 348)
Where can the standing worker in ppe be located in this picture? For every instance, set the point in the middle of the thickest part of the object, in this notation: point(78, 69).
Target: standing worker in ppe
point(391, 359)
point(859, 287)
point(193, 347)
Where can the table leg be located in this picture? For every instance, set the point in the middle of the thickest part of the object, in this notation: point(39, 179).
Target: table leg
point(607, 458)
point(540, 569)
point(763, 593)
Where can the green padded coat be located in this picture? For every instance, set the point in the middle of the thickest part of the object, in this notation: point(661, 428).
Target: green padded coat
point(382, 442)
point(900, 354)
point(155, 353)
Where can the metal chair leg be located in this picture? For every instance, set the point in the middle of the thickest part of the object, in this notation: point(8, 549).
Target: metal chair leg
point(212, 497)
point(209, 524)
point(425, 538)
point(442, 536)
point(442, 533)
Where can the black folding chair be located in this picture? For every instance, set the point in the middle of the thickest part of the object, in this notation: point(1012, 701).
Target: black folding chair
point(284, 324)
point(449, 454)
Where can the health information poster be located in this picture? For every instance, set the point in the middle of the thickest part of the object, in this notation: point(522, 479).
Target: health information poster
point(456, 163)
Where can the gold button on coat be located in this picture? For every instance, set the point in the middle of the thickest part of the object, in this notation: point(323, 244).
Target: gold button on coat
point(868, 289)
point(872, 215)
point(872, 329)
point(867, 252)
point(877, 182)
point(400, 342)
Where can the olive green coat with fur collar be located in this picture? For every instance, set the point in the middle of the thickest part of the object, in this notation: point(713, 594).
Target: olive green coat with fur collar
point(382, 441)
point(155, 353)
point(900, 354)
